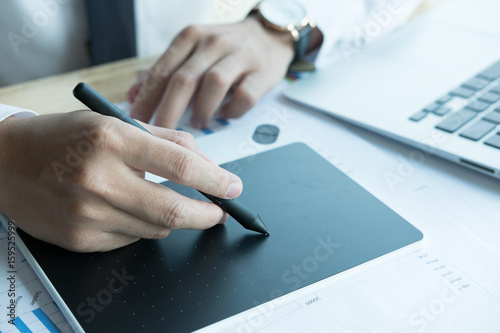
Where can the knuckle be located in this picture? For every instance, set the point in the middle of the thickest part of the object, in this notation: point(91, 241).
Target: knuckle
point(257, 63)
point(191, 32)
point(154, 76)
point(181, 137)
point(221, 181)
point(181, 167)
point(77, 240)
point(81, 176)
point(217, 79)
point(105, 134)
point(173, 215)
point(80, 214)
point(218, 41)
point(77, 210)
point(87, 179)
point(247, 98)
point(161, 233)
point(183, 80)
point(185, 135)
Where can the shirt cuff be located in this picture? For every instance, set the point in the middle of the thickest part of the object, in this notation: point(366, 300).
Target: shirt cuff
point(7, 110)
point(344, 24)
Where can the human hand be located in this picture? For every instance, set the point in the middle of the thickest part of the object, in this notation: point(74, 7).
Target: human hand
point(206, 62)
point(77, 180)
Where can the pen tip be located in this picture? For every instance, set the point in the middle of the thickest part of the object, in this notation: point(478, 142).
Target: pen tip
point(259, 226)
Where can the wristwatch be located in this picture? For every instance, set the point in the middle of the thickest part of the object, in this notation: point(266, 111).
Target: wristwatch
point(287, 16)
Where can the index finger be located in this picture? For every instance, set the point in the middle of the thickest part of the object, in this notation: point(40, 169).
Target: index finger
point(166, 159)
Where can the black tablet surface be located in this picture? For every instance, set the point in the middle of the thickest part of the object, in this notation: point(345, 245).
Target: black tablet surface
point(320, 223)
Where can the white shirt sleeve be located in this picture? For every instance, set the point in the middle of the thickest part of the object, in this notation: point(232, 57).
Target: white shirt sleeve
point(6, 111)
point(348, 26)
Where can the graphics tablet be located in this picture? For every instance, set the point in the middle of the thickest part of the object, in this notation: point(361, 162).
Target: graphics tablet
point(320, 222)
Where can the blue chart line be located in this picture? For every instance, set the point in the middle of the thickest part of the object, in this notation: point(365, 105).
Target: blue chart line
point(21, 326)
point(42, 317)
point(222, 121)
point(46, 321)
point(207, 130)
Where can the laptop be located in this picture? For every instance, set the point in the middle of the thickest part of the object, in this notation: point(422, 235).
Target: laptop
point(433, 84)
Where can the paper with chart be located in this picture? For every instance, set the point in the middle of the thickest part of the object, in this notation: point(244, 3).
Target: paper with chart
point(35, 311)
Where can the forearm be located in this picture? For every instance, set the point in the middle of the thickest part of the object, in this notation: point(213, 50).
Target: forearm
point(7, 146)
point(8, 115)
point(4, 145)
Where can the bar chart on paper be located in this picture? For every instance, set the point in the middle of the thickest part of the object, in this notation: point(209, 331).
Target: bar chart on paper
point(35, 310)
point(42, 319)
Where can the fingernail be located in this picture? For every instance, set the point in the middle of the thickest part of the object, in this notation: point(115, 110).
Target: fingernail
point(234, 190)
point(224, 218)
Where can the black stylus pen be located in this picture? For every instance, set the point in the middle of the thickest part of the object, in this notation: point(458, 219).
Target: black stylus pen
point(96, 102)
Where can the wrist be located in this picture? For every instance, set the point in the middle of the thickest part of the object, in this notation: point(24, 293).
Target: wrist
point(290, 17)
point(7, 130)
point(283, 39)
point(5, 137)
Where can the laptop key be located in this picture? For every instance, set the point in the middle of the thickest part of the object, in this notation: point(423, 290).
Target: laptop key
point(489, 98)
point(418, 116)
point(496, 90)
point(476, 84)
point(492, 73)
point(431, 108)
point(444, 99)
point(494, 141)
point(463, 92)
point(441, 111)
point(478, 130)
point(478, 106)
point(456, 120)
point(493, 117)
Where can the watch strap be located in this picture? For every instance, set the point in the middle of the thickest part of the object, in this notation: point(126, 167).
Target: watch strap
point(302, 44)
point(299, 64)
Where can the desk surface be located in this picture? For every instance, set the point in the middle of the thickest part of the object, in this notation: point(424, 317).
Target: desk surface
point(54, 94)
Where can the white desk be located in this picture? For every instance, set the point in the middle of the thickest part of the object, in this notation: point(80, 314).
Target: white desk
point(450, 284)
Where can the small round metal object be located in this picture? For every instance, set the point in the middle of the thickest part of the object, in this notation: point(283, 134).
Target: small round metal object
point(266, 134)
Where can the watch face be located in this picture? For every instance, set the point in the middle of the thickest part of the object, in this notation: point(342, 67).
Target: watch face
point(283, 13)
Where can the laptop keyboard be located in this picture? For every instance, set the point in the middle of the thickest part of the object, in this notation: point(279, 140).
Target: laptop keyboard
point(471, 110)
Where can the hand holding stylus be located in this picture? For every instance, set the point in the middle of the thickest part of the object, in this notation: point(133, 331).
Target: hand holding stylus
point(82, 186)
point(240, 213)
